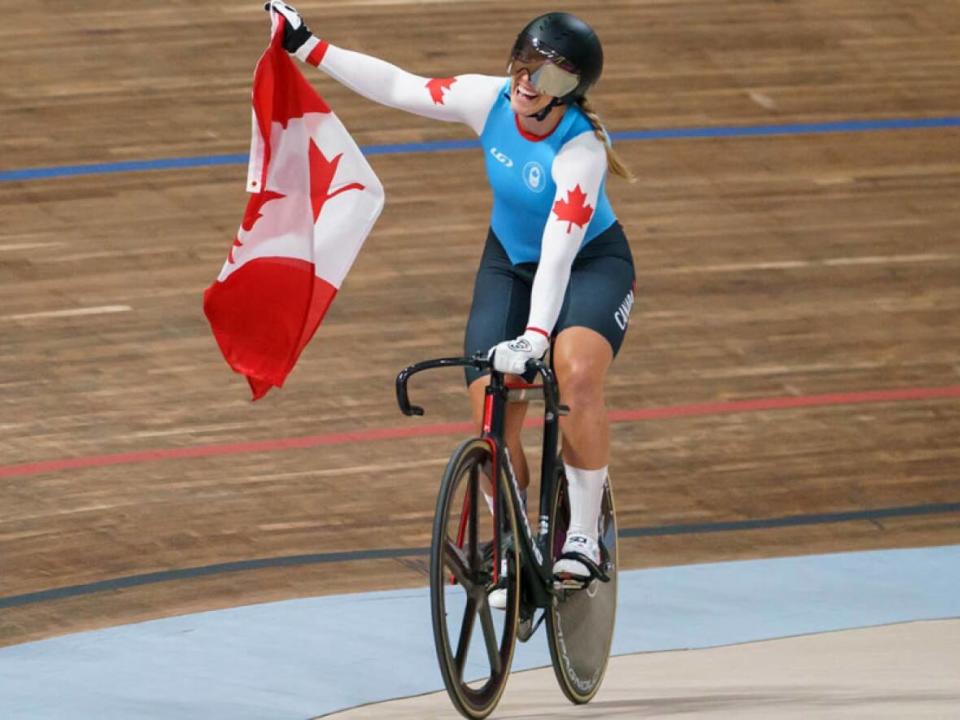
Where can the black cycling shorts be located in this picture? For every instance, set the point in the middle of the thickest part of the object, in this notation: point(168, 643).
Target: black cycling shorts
point(599, 295)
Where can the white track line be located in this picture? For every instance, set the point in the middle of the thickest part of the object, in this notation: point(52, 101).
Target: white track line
point(799, 264)
point(306, 7)
point(351, 470)
point(887, 259)
point(74, 312)
point(29, 246)
point(106, 254)
point(374, 3)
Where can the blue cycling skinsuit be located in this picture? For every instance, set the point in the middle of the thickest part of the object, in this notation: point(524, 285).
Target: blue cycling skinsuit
point(519, 171)
point(555, 255)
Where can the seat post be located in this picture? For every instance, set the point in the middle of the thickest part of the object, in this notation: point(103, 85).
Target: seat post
point(494, 407)
point(551, 441)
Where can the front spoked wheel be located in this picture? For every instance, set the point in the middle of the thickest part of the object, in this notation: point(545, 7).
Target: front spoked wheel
point(470, 553)
point(580, 622)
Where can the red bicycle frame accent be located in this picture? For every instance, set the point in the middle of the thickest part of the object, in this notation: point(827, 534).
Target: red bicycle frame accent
point(488, 415)
point(463, 528)
point(461, 531)
point(496, 505)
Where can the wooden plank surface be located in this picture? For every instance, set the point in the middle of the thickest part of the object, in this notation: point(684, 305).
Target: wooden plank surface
point(772, 266)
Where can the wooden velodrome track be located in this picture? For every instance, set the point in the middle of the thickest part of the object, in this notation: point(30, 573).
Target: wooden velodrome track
point(793, 266)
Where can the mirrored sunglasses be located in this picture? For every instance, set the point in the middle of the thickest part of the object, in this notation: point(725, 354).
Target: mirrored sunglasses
point(550, 73)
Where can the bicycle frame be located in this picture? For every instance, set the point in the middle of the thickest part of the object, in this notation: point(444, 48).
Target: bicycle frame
point(535, 554)
point(579, 624)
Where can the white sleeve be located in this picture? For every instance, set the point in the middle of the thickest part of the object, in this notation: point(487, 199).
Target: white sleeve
point(463, 98)
point(578, 171)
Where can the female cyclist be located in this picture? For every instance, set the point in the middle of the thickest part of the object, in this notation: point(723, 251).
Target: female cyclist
point(556, 262)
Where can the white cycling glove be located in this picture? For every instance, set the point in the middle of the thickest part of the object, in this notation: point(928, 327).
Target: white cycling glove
point(295, 30)
point(511, 356)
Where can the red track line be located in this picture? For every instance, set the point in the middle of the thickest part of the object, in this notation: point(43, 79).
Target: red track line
point(787, 403)
point(396, 433)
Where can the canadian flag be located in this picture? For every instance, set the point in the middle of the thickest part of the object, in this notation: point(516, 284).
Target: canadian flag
point(314, 200)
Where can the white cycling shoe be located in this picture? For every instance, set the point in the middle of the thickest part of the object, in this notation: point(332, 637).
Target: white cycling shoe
point(582, 545)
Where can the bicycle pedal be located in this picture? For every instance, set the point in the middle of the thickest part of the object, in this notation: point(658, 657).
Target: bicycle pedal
point(570, 583)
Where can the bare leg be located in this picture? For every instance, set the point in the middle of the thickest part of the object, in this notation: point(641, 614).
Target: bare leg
point(582, 357)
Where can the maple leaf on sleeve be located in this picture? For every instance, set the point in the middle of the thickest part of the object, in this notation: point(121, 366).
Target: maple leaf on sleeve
point(436, 86)
point(573, 210)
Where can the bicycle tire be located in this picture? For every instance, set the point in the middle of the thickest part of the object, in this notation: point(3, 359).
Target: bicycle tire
point(580, 623)
point(464, 563)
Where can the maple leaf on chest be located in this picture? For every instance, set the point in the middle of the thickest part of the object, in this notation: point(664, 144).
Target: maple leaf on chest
point(573, 210)
point(436, 86)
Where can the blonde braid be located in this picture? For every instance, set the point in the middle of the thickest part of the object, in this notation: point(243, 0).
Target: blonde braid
point(614, 161)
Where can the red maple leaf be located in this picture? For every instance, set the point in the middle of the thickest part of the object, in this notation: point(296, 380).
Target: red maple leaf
point(437, 86)
point(256, 202)
point(573, 210)
point(321, 177)
point(251, 215)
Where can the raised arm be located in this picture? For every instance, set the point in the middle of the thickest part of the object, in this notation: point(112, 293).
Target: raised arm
point(463, 98)
point(578, 171)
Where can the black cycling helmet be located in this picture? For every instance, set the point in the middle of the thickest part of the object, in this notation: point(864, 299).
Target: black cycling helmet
point(568, 43)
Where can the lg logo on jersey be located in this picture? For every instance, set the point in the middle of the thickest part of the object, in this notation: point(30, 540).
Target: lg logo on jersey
point(501, 158)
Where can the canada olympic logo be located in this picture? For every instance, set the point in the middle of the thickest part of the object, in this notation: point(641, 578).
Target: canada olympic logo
point(533, 176)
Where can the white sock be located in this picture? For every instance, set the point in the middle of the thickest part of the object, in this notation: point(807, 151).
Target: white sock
point(585, 491)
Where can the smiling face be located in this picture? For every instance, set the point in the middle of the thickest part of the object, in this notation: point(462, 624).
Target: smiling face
point(525, 99)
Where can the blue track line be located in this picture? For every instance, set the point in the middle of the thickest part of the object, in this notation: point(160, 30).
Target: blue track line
point(844, 126)
point(388, 553)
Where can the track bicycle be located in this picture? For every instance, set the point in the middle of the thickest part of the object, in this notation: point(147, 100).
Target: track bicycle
point(482, 540)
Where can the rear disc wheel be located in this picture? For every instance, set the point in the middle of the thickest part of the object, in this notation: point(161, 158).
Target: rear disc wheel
point(580, 622)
